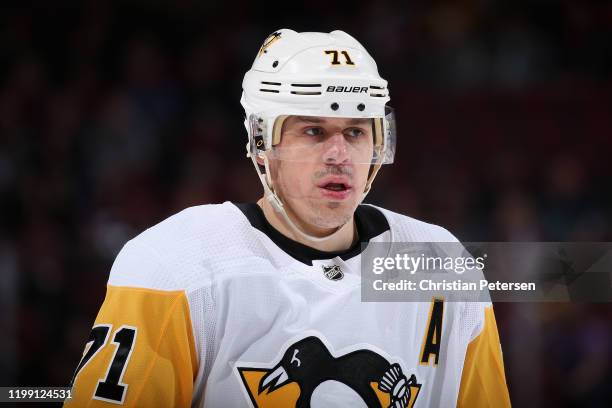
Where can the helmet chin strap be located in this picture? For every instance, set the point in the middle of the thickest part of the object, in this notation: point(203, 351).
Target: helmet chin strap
point(277, 204)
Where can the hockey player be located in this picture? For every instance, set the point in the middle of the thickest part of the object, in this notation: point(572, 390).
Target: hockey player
point(258, 305)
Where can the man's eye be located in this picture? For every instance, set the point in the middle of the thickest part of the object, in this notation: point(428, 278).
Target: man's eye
point(355, 132)
point(314, 131)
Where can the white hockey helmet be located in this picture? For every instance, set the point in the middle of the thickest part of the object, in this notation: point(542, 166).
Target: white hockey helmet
point(315, 74)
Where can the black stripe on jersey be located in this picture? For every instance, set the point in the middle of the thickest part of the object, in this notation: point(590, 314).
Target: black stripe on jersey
point(369, 221)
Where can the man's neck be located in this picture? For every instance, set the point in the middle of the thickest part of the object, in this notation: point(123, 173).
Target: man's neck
point(339, 240)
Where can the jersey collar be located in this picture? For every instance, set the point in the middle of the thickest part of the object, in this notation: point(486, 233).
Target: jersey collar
point(370, 223)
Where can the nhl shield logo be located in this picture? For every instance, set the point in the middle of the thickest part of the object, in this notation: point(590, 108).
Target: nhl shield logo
point(333, 272)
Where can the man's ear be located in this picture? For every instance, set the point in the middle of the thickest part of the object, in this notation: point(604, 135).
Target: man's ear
point(259, 159)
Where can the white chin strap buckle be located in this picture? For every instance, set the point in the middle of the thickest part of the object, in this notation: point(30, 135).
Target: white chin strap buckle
point(275, 202)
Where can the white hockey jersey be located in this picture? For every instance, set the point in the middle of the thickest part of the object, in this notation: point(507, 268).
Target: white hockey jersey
point(214, 308)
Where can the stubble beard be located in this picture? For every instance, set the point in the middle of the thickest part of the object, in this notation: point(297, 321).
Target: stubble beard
point(322, 213)
point(330, 214)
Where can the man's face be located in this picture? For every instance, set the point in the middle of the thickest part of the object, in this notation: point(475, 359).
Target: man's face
point(320, 168)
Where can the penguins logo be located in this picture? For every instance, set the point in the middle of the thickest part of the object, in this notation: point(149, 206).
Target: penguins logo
point(308, 364)
point(268, 42)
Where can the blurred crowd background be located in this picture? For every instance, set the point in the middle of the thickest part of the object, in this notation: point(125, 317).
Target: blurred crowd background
point(115, 115)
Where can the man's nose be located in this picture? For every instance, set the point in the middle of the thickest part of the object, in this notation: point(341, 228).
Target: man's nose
point(336, 149)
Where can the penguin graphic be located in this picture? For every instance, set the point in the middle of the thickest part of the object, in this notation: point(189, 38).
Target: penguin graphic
point(308, 363)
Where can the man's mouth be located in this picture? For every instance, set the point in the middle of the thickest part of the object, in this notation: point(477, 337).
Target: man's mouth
point(336, 186)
